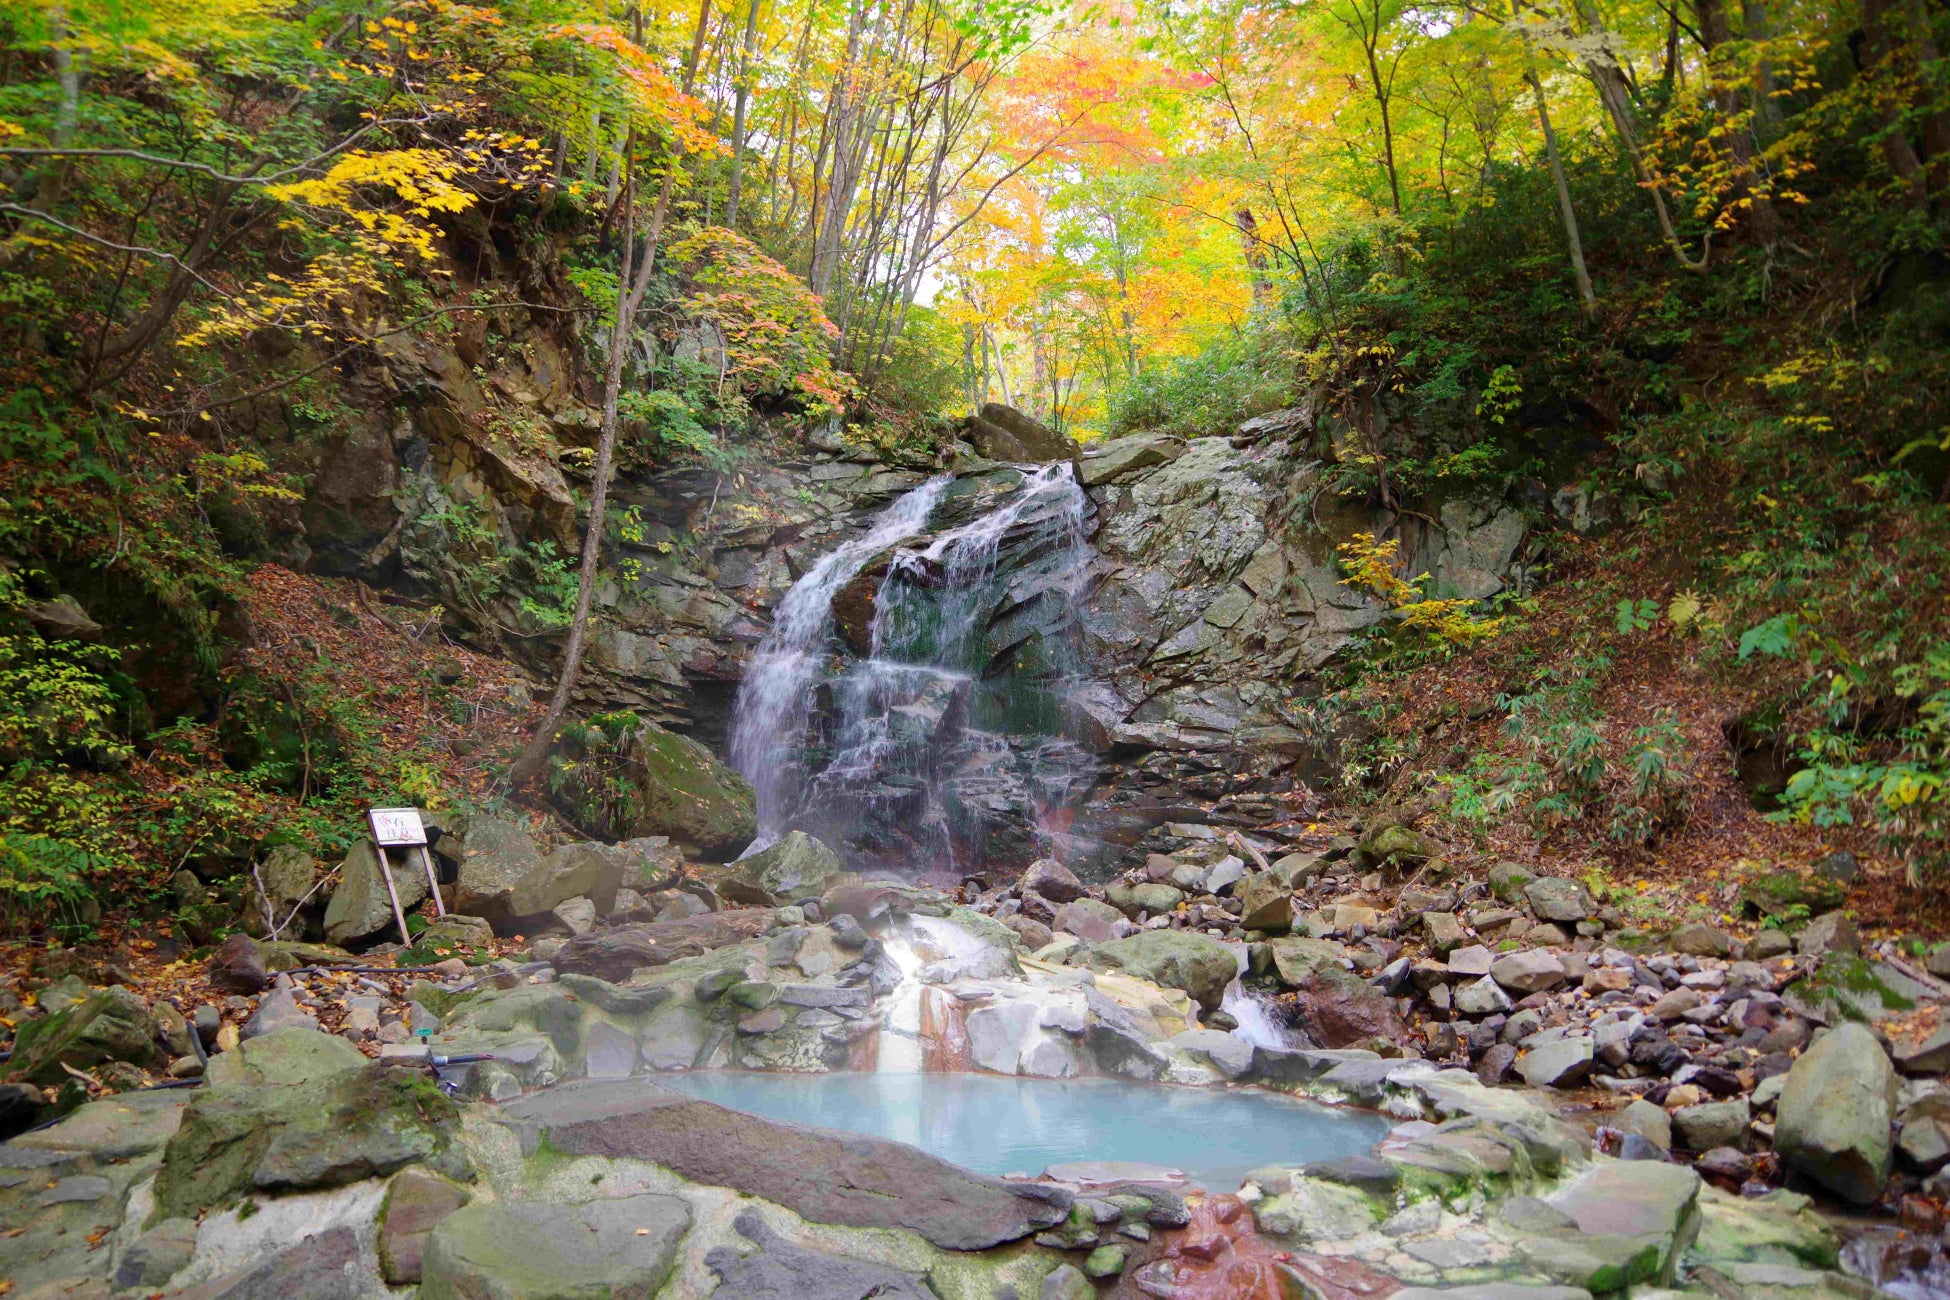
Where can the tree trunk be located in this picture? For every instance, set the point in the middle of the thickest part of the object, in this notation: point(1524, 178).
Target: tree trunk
point(1714, 32)
point(1878, 55)
point(1574, 242)
point(743, 101)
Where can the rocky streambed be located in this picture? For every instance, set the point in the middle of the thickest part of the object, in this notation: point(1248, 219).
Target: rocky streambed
point(558, 1166)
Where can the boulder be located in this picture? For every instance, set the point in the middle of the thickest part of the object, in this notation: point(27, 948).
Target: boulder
point(1508, 879)
point(493, 857)
point(360, 908)
point(1700, 940)
point(1644, 1119)
point(1151, 897)
point(1050, 879)
point(1118, 458)
point(278, 1009)
point(1172, 959)
point(1339, 1009)
point(1713, 1124)
point(1780, 893)
point(417, 1202)
point(288, 873)
point(614, 952)
point(1527, 972)
point(675, 788)
point(1295, 959)
point(1396, 844)
point(1833, 1117)
point(1003, 433)
point(238, 967)
point(622, 1248)
point(583, 870)
point(1482, 997)
point(1650, 1208)
point(284, 1056)
point(780, 1270)
point(793, 869)
point(1091, 920)
point(326, 1132)
point(1554, 898)
point(1831, 932)
point(1561, 1064)
point(1266, 903)
point(110, 1024)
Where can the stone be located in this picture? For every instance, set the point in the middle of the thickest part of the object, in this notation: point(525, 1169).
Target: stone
point(616, 1249)
point(237, 966)
point(1138, 900)
point(1832, 932)
point(360, 907)
point(278, 1009)
point(1119, 458)
point(1003, 433)
point(1173, 959)
point(1725, 1163)
point(1231, 1055)
point(1315, 1210)
point(1445, 932)
point(996, 1034)
point(1554, 898)
point(1296, 959)
point(847, 1179)
point(288, 874)
point(1781, 894)
point(1927, 1055)
point(577, 915)
point(1561, 1064)
point(1648, 1204)
point(583, 870)
point(614, 952)
point(1106, 1261)
point(677, 789)
point(1508, 880)
point(1066, 1282)
point(110, 1024)
point(296, 1054)
point(1091, 920)
point(780, 1270)
point(344, 1127)
point(326, 1266)
point(1645, 1120)
point(491, 857)
point(1265, 903)
point(1925, 1143)
point(1338, 1010)
point(1700, 940)
point(1048, 878)
point(1482, 997)
point(417, 1202)
point(1713, 1124)
point(1531, 971)
point(1767, 945)
point(793, 869)
point(162, 1251)
point(1674, 1005)
point(1832, 1120)
point(1471, 961)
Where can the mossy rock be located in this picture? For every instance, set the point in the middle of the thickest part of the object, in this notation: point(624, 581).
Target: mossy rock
point(656, 782)
point(1785, 894)
point(110, 1024)
point(1397, 844)
point(352, 1125)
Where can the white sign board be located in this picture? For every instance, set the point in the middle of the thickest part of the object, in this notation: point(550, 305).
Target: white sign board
point(396, 828)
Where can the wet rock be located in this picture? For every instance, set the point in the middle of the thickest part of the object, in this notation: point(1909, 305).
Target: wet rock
point(417, 1202)
point(779, 1270)
point(1652, 1208)
point(1119, 458)
point(1174, 959)
point(328, 1266)
point(623, 1248)
point(796, 868)
point(110, 1024)
point(1832, 1120)
point(1338, 1009)
point(845, 1179)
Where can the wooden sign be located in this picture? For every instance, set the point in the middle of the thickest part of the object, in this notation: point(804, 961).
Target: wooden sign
point(397, 828)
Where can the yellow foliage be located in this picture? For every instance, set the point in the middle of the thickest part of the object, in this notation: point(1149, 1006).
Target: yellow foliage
point(1371, 567)
point(421, 179)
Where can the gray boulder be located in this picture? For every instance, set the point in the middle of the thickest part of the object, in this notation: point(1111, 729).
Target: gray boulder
point(110, 1024)
point(779, 1270)
point(618, 1249)
point(794, 869)
point(1832, 1120)
point(1174, 959)
point(1554, 898)
point(494, 857)
point(360, 907)
point(583, 870)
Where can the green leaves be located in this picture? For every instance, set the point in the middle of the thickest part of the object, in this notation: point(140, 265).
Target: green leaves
point(1635, 616)
point(1774, 638)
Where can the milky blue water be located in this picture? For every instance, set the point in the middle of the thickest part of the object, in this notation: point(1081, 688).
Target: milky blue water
point(996, 1124)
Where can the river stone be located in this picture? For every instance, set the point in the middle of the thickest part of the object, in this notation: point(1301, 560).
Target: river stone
point(416, 1203)
point(161, 1252)
point(1644, 1202)
point(839, 1178)
point(237, 966)
point(1481, 998)
point(1554, 898)
point(1340, 1009)
point(360, 907)
point(1561, 1064)
point(1530, 971)
point(278, 1009)
point(1713, 1124)
point(1267, 904)
point(613, 952)
point(1650, 1122)
point(110, 1024)
point(1230, 1055)
point(1050, 879)
point(618, 1249)
point(330, 1131)
point(792, 870)
point(1091, 920)
point(296, 1054)
point(1507, 881)
point(1700, 940)
point(1832, 1120)
point(996, 1033)
point(1135, 900)
point(780, 1270)
point(328, 1266)
point(1172, 959)
point(1471, 961)
point(1297, 958)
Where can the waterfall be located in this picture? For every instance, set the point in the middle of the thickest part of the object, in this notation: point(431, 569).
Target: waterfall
point(775, 698)
point(943, 744)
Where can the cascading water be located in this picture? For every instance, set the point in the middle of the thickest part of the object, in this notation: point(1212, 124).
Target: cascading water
point(946, 743)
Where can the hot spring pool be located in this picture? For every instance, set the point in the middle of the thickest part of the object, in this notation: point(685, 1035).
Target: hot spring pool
point(996, 1124)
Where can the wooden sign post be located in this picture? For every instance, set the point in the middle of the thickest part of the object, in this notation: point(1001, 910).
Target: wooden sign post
point(400, 828)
